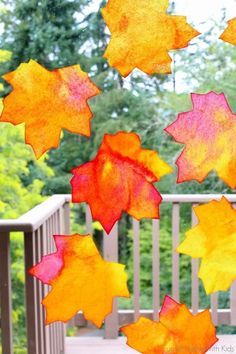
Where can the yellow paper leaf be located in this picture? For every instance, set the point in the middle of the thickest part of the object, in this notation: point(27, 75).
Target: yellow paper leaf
point(214, 240)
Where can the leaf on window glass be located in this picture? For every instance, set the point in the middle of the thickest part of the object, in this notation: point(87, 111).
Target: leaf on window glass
point(178, 331)
point(120, 178)
point(208, 132)
point(229, 35)
point(213, 240)
point(47, 102)
point(80, 280)
point(142, 34)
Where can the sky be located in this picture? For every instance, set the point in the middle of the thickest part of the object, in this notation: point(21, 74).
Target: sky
point(199, 12)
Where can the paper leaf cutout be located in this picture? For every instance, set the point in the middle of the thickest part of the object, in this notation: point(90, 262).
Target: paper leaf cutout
point(47, 102)
point(142, 34)
point(80, 280)
point(229, 35)
point(120, 179)
point(213, 240)
point(208, 132)
point(178, 331)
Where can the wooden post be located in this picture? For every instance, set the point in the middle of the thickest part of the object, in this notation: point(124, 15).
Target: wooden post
point(214, 308)
point(30, 292)
point(66, 218)
point(110, 253)
point(195, 266)
point(233, 298)
point(233, 304)
point(175, 255)
point(156, 268)
point(136, 257)
point(5, 293)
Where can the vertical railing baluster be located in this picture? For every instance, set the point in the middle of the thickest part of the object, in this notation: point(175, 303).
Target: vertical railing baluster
point(214, 308)
point(45, 289)
point(110, 253)
point(41, 291)
point(156, 268)
point(60, 232)
point(88, 220)
point(51, 240)
point(136, 267)
point(49, 246)
point(175, 255)
point(66, 218)
point(61, 332)
point(53, 250)
point(233, 304)
point(30, 290)
point(195, 266)
point(38, 292)
point(233, 297)
point(5, 293)
point(56, 232)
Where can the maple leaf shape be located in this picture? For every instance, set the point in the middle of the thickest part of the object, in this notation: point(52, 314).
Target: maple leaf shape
point(178, 331)
point(213, 240)
point(80, 280)
point(47, 102)
point(142, 33)
point(208, 131)
point(229, 35)
point(120, 179)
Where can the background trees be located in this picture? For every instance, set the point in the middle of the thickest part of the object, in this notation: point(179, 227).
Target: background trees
point(62, 33)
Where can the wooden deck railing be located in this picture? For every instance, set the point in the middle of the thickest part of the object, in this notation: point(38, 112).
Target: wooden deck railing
point(52, 217)
point(37, 226)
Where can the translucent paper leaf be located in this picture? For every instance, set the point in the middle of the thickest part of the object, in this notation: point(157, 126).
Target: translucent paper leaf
point(208, 132)
point(120, 178)
point(80, 280)
point(178, 331)
point(229, 35)
point(142, 34)
point(47, 102)
point(214, 240)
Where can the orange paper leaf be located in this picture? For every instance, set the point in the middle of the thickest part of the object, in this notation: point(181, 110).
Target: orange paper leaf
point(80, 280)
point(142, 33)
point(208, 132)
point(229, 35)
point(178, 331)
point(214, 240)
point(120, 179)
point(47, 102)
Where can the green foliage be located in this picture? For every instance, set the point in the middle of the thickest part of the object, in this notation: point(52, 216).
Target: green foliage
point(22, 180)
point(16, 163)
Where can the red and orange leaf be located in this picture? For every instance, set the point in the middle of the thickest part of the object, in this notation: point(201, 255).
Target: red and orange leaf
point(47, 102)
point(229, 35)
point(208, 132)
point(214, 240)
point(178, 331)
point(80, 280)
point(120, 178)
point(142, 34)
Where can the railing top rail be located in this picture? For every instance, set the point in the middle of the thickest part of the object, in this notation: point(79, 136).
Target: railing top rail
point(189, 198)
point(34, 218)
point(196, 198)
